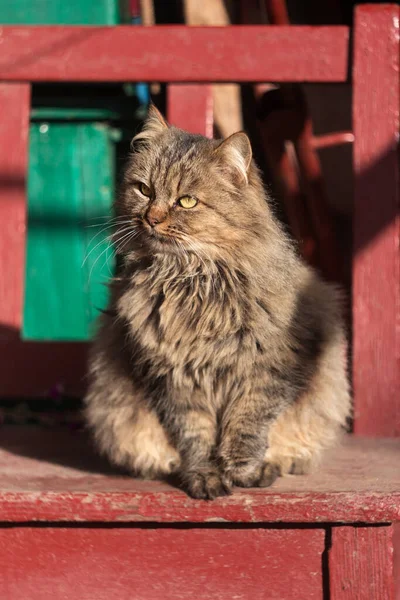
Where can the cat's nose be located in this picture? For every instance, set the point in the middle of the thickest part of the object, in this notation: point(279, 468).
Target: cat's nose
point(152, 220)
point(154, 216)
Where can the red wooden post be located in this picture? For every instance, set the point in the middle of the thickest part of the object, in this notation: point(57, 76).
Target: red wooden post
point(361, 563)
point(14, 128)
point(26, 369)
point(396, 559)
point(190, 107)
point(376, 265)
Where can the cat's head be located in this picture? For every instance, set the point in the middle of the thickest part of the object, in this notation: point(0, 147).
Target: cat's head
point(185, 193)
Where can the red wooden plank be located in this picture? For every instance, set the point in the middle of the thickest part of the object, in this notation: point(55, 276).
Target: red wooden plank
point(361, 563)
point(190, 107)
point(160, 564)
point(174, 53)
point(396, 559)
point(52, 475)
point(29, 369)
point(376, 279)
point(14, 127)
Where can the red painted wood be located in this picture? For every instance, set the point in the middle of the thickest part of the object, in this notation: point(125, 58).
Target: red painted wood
point(160, 564)
point(396, 559)
point(329, 259)
point(190, 107)
point(26, 369)
point(361, 563)
point(30, 369)
point(53, 475)
point(376, 271)
point(174, 53)
point(276, 131)
point(14, 128)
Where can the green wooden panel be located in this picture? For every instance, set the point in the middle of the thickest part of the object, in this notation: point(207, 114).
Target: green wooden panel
point(53, 12)
point(70, 189)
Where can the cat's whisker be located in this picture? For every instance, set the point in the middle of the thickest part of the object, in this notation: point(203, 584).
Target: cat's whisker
point(118, 232)
point(92, 240)
point(96, 261)
point(121, 243)
point(107, 260)
point(109, 224)
point(102, 241)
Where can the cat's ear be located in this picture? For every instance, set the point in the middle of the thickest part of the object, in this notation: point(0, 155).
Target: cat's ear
point(236, 152)
point(153, 125)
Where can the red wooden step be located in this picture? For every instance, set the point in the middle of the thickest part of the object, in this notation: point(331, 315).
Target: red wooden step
point(71, 527)
point(50, 475)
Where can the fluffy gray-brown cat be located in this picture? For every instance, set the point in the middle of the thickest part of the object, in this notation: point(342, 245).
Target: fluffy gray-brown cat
point(222, 356)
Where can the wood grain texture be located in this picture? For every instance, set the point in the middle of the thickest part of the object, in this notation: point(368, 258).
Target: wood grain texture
point(53, 475)
point(174, 53)
point(376, 265)
point(361, 563)
point(160, 564)
point(190, 107)
point(14, 127)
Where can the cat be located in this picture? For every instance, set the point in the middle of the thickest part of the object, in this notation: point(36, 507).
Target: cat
point(222, 356)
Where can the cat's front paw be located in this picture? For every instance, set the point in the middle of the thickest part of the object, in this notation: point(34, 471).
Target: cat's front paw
point(247, 473)
point(206, 485)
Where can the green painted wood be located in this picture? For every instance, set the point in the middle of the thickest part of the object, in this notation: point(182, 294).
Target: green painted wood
point(70, 189)
point(53, 12)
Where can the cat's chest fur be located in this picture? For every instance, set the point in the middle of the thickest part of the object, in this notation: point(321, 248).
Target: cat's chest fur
point(189, 318)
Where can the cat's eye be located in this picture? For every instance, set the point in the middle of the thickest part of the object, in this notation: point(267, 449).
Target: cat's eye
point(144, 189)
point(187, 202)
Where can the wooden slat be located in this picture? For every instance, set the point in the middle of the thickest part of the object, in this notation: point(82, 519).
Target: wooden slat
point(30, 369)
point(14, 127)
point(174, 53)
point(376, 270)
point(160, 563)
point(190, 107)
point(52, 475)
point(361, 563)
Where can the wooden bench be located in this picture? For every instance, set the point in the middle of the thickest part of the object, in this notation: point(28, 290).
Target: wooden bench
point(70, 527)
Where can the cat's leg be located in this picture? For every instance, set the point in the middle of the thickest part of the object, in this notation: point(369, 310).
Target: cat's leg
point(316, 420)
point(264, 438)
point(244, 434)
point(126, 429)
point(195, 431)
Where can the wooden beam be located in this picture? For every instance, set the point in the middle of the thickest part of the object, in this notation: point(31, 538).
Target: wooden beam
point(174, 53)
point(376, 265)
